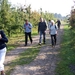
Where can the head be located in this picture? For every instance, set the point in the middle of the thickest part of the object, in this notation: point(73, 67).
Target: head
point(41, 19)
point(26, 21)
point(52, 21)
point(49, 20)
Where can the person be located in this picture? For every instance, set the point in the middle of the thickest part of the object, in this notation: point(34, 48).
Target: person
point(53, 32)
point(27, 29)
point(49, 23)
point(58, 23)
point(42, 31)
point(3, 41)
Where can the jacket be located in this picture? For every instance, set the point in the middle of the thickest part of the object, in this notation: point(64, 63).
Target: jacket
point(42, 26)
point(3, 40)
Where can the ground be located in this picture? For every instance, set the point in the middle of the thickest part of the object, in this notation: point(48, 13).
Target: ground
point(45, 62)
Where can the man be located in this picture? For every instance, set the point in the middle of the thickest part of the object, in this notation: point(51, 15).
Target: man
point(58, 23)
point(42, 30)
point(27, 27)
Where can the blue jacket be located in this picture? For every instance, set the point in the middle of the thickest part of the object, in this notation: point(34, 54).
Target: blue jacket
point(27, 28)
point(3, 40)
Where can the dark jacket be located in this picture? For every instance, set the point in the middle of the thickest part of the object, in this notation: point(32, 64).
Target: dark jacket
point(42, 26)
point(3, 40)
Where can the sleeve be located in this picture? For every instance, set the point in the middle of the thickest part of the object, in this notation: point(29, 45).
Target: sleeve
point(45, 26)
point(38, 26)
point(30, 26)
point(4, 38)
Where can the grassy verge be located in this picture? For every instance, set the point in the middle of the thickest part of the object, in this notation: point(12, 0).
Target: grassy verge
point(67, 53)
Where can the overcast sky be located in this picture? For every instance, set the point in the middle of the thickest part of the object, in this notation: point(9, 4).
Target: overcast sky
point(54, 6)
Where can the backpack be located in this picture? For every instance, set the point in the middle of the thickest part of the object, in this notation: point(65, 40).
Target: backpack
point(55, 26)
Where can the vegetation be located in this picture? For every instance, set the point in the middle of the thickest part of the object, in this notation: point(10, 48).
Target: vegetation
point(12, 19)
point(67, 53)
point(72, 17)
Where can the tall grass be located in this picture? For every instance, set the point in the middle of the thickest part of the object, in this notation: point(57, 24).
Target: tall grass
point(67, 53)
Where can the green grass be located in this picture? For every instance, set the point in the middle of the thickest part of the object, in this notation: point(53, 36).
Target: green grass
point(24, 58)
point(67, 54)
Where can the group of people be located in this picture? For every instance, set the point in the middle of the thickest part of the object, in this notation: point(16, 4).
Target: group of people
point(42, 26)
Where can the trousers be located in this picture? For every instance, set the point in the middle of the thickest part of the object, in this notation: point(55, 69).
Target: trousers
point(42, 35)
point(2, 58)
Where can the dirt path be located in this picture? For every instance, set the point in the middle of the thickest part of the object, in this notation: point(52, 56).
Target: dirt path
point(45, 62)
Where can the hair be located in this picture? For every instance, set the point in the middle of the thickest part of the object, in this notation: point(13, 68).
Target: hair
point(53, 21)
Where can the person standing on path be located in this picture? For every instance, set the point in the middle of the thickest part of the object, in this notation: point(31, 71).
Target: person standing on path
point(3, 40)
point(27, 29)
point(53, 33)
point(58, 23)
point(42, 31)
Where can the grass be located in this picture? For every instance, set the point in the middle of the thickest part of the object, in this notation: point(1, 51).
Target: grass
point(24, 58)
point(67, 53)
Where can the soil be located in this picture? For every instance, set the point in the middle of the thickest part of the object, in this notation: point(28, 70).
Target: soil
point(46, 61)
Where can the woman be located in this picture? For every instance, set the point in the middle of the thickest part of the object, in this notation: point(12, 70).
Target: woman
point(3, 40)
point(53, 33)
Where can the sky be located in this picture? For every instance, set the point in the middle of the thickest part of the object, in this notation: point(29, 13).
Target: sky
point(62, 7)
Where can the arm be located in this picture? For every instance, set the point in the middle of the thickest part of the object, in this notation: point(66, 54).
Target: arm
point(38, 27)
point(30, 26)
point(3, 37)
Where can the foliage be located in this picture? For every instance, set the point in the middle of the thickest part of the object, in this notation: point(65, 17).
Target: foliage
point(67, 53)
point(12, 18)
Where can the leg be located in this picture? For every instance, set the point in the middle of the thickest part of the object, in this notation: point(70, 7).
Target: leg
point(40, 39)
point(44, 39)
point(2, 58)
point(52, 40)
point(26, 38)
point(55, 39)
point(30, 37)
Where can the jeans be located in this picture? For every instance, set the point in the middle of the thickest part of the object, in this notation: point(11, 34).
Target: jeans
point(2, 58)
point(40, 39)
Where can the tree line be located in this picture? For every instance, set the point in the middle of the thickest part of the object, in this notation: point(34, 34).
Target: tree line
point(12, 18)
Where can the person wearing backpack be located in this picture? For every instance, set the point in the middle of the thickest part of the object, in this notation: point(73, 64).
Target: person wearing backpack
point(53, 33)
point(3, 49)
point(27, 30)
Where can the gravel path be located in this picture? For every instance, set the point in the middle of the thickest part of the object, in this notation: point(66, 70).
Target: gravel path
point(43, 64)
